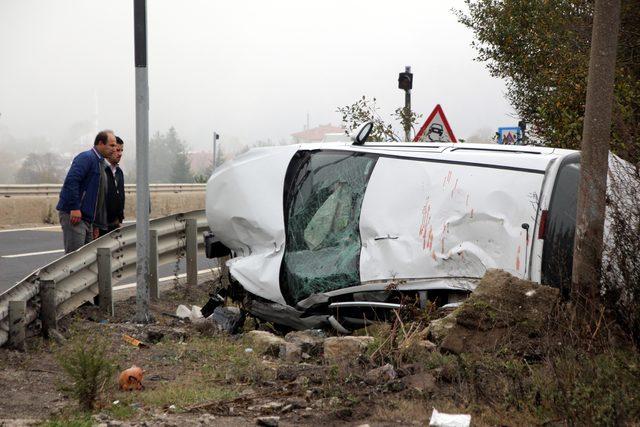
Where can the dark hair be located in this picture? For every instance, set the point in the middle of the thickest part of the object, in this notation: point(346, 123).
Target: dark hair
point(119, 140)
point(102, 137)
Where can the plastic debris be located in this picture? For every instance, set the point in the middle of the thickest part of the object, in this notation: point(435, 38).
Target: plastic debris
point(133, 341)
point(228, 319)
point(194, 313)
point(183, 312)
point(440, 419)
point(131, 379)
point(248, 350)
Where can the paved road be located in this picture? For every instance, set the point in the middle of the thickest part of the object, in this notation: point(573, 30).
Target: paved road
point(23, 251)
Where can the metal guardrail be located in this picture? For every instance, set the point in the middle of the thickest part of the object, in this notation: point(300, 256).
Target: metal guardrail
point(76, 274)
point(54, 189)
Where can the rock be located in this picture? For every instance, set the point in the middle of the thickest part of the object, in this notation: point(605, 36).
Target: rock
point(268, 421)
point(290, 352)
point(310, 341)
point(423, 381)
point(207, 419)
point(439, 328)
point(264, 342)
point(345, 349)
point(503, 313)
point(381, 375)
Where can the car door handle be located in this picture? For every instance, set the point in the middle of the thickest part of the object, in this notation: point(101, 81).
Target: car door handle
point(387, 237)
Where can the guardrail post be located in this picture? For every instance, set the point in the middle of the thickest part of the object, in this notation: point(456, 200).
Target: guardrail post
point(48, 314)
point(191, 232)
point(154, 292)
point(17, 314)
point(105, 290)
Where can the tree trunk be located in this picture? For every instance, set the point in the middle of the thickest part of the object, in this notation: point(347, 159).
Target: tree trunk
point(587, 257)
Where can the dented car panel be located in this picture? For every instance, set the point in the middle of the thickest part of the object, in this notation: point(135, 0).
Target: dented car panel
point(422, 219)
point(244, 211)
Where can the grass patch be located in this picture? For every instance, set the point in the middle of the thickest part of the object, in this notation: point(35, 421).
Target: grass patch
point(181, 395)
point(121, 411)
point(78, 420)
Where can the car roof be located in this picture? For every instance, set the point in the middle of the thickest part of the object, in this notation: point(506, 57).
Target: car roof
point(525, 157)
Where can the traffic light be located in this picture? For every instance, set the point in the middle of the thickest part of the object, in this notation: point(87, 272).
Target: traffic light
point(405, 80)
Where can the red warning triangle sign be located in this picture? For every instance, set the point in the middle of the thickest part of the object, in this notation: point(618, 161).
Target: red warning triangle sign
point(436, 128)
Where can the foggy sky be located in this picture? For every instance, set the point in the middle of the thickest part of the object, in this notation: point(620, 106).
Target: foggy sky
point(249, 69)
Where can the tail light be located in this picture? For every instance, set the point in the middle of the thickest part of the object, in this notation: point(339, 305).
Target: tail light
point(543, 224)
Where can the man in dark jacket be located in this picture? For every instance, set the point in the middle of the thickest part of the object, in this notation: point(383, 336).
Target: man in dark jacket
point(83, 192)
point(115, 189)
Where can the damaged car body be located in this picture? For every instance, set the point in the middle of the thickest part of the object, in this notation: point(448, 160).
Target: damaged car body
point(336, 234)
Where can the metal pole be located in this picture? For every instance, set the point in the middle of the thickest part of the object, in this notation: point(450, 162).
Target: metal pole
point(17, 333)
point(142, 161)
point(215, 145)
point(191, 234)
point(48, 314)
point(105, 291)
point(407, 110)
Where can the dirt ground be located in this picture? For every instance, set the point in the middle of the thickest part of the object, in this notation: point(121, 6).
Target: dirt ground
point(194, 376)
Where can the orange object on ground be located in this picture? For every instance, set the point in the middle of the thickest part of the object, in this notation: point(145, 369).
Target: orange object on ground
point(131, 379)
point(133, 341)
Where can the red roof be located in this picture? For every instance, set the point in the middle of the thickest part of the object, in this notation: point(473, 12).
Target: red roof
point(317, 133)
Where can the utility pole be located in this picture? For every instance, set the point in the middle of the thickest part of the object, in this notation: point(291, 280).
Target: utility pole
point(142, 161)
point(405, 82)
point(587, 253)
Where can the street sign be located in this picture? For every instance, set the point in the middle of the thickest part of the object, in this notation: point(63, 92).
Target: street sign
point(509, 135)
point(436, 128)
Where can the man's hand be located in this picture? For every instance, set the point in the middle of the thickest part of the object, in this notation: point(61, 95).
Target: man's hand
point(75, 217)
point(96, 232)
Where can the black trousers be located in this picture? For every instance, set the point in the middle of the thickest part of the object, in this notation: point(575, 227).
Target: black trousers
point(109, 229)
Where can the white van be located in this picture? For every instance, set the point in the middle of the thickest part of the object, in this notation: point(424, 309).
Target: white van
point(335, 232)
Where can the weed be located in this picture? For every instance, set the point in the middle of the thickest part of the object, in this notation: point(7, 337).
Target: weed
point(78, 420)
point(84, 360)
point(121, 412)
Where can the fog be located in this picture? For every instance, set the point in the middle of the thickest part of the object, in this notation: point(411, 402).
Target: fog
point(251, 70)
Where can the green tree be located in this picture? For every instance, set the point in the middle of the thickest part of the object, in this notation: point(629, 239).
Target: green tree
point(168, 158)
point(541, 48)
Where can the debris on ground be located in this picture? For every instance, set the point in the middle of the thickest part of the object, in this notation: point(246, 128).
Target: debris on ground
point(134, 341)
point(440, 419)
point(193, 314)
point(227, 319)
point(131, 379)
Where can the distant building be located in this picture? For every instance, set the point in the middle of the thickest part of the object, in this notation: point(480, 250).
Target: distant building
point(316, 134)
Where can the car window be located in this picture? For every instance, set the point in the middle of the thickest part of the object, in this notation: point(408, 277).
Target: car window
point(557, 254)
point(322, 213)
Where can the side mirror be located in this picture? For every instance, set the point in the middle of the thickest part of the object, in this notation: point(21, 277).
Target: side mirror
point(361, 134)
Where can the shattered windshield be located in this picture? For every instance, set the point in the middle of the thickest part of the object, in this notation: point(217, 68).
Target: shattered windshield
point(322, 210)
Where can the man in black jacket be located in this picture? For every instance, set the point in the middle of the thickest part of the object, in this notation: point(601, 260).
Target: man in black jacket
point(115, 189)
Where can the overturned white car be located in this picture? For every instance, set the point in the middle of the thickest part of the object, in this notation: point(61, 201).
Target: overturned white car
point(338, 233)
